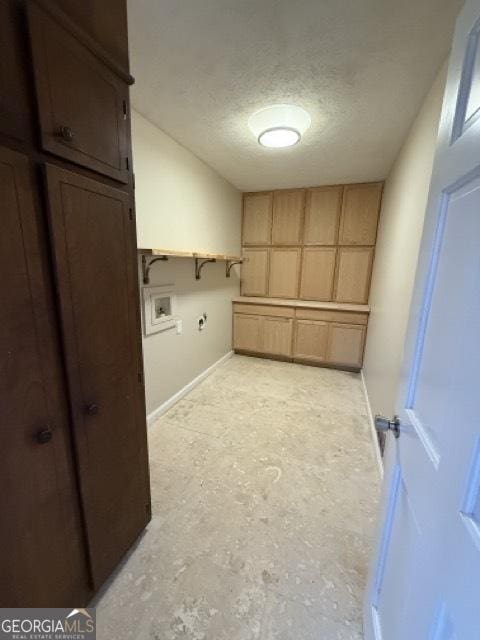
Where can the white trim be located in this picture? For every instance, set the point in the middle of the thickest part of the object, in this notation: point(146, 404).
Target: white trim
point(373, 431)
point(165, 406)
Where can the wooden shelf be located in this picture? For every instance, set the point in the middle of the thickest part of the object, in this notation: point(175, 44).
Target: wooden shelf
point(304, 304)
point(190, 254)
point(201, 259)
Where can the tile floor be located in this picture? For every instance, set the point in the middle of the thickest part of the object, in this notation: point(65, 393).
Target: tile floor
point(265, 491)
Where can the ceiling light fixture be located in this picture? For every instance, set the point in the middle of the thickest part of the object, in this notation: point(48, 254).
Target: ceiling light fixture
point(281, 125)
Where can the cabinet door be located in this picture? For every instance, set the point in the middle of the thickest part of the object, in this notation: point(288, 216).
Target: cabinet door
point(318, 268)
point(360, 210)
point(15, 120)
point(277, 336)
point(354, 269)
point(105, 22)
point(284, 273)
point(257, 218)
point(82, 104)
point(247, 332)
point(311, 338)
point(43, 557)
point(322, 215)
point(93, 238)
point(345, 345)
point(254, 272)
point(288, 208)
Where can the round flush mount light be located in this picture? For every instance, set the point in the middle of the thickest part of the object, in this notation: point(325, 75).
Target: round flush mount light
point(278, 137)
point(281, 125)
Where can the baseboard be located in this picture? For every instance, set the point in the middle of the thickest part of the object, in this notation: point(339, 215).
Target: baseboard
point(165, 406)
point(373, 432)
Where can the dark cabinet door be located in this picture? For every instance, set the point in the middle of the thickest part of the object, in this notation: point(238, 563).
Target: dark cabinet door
point(93, 240)
point(81, 103)
point(14, 94)
point(43, 558)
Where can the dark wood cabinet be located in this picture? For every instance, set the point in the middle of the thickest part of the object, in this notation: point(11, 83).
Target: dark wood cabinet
point(82, 104)
point(95, 263)
point(104, 22)
point(73, 456)
point(15, 113)
point(42, 554)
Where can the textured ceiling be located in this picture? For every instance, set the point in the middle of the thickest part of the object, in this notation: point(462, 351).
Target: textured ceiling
point(360, 67)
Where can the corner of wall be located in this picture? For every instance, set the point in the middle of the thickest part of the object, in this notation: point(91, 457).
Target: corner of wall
point(398, 242)
point(183, 204)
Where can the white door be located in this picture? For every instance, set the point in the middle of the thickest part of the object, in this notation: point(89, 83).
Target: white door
point(425, 576)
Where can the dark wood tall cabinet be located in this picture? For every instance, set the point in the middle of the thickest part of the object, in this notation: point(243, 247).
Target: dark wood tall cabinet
point(74, 466)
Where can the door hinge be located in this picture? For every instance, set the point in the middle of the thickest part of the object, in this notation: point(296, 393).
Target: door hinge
point(125, 112)
point(383, 424)
point(127, 163)
point(140, 377)
point(130, 213)
point(133, 180)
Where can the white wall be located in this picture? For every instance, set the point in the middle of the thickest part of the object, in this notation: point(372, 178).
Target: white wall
point(398, 242)
point(183, 204)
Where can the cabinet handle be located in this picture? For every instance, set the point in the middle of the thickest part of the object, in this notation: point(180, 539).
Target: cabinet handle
point(44, 435)
point(91, 409)
point(65, 133)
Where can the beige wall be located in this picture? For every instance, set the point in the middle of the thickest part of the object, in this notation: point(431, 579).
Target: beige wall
point(181, 203)
point(399, 234)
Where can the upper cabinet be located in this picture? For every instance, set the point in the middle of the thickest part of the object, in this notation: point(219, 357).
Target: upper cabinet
point(257, 218)
point(318, 269)
point(322, 215)
point(360, 210)
point(82, 104)
point(354, 269)
point(284, 272)
point(105, 22)
point(15, 120)
point(312, 244)
point(288, 208)
point(254, 280)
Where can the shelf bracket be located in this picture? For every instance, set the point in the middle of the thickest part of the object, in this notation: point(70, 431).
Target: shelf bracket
point(199, 264)
point(229, 264)
point(147, 265)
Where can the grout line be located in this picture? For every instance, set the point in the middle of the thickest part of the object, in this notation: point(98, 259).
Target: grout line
point(373, 432)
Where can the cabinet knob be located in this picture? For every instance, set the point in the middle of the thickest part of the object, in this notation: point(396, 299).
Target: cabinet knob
point(44, 435)
point(66, 134)
point(91, 409)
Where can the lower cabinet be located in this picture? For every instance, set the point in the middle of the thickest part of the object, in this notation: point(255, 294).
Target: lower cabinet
point(324, 341)
point(247, 332)
point(311, 340)
point(263, 334)
point(98, 311)
point(42, 557)
point(345, 344)
point(329, 342)
point(277, 336)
